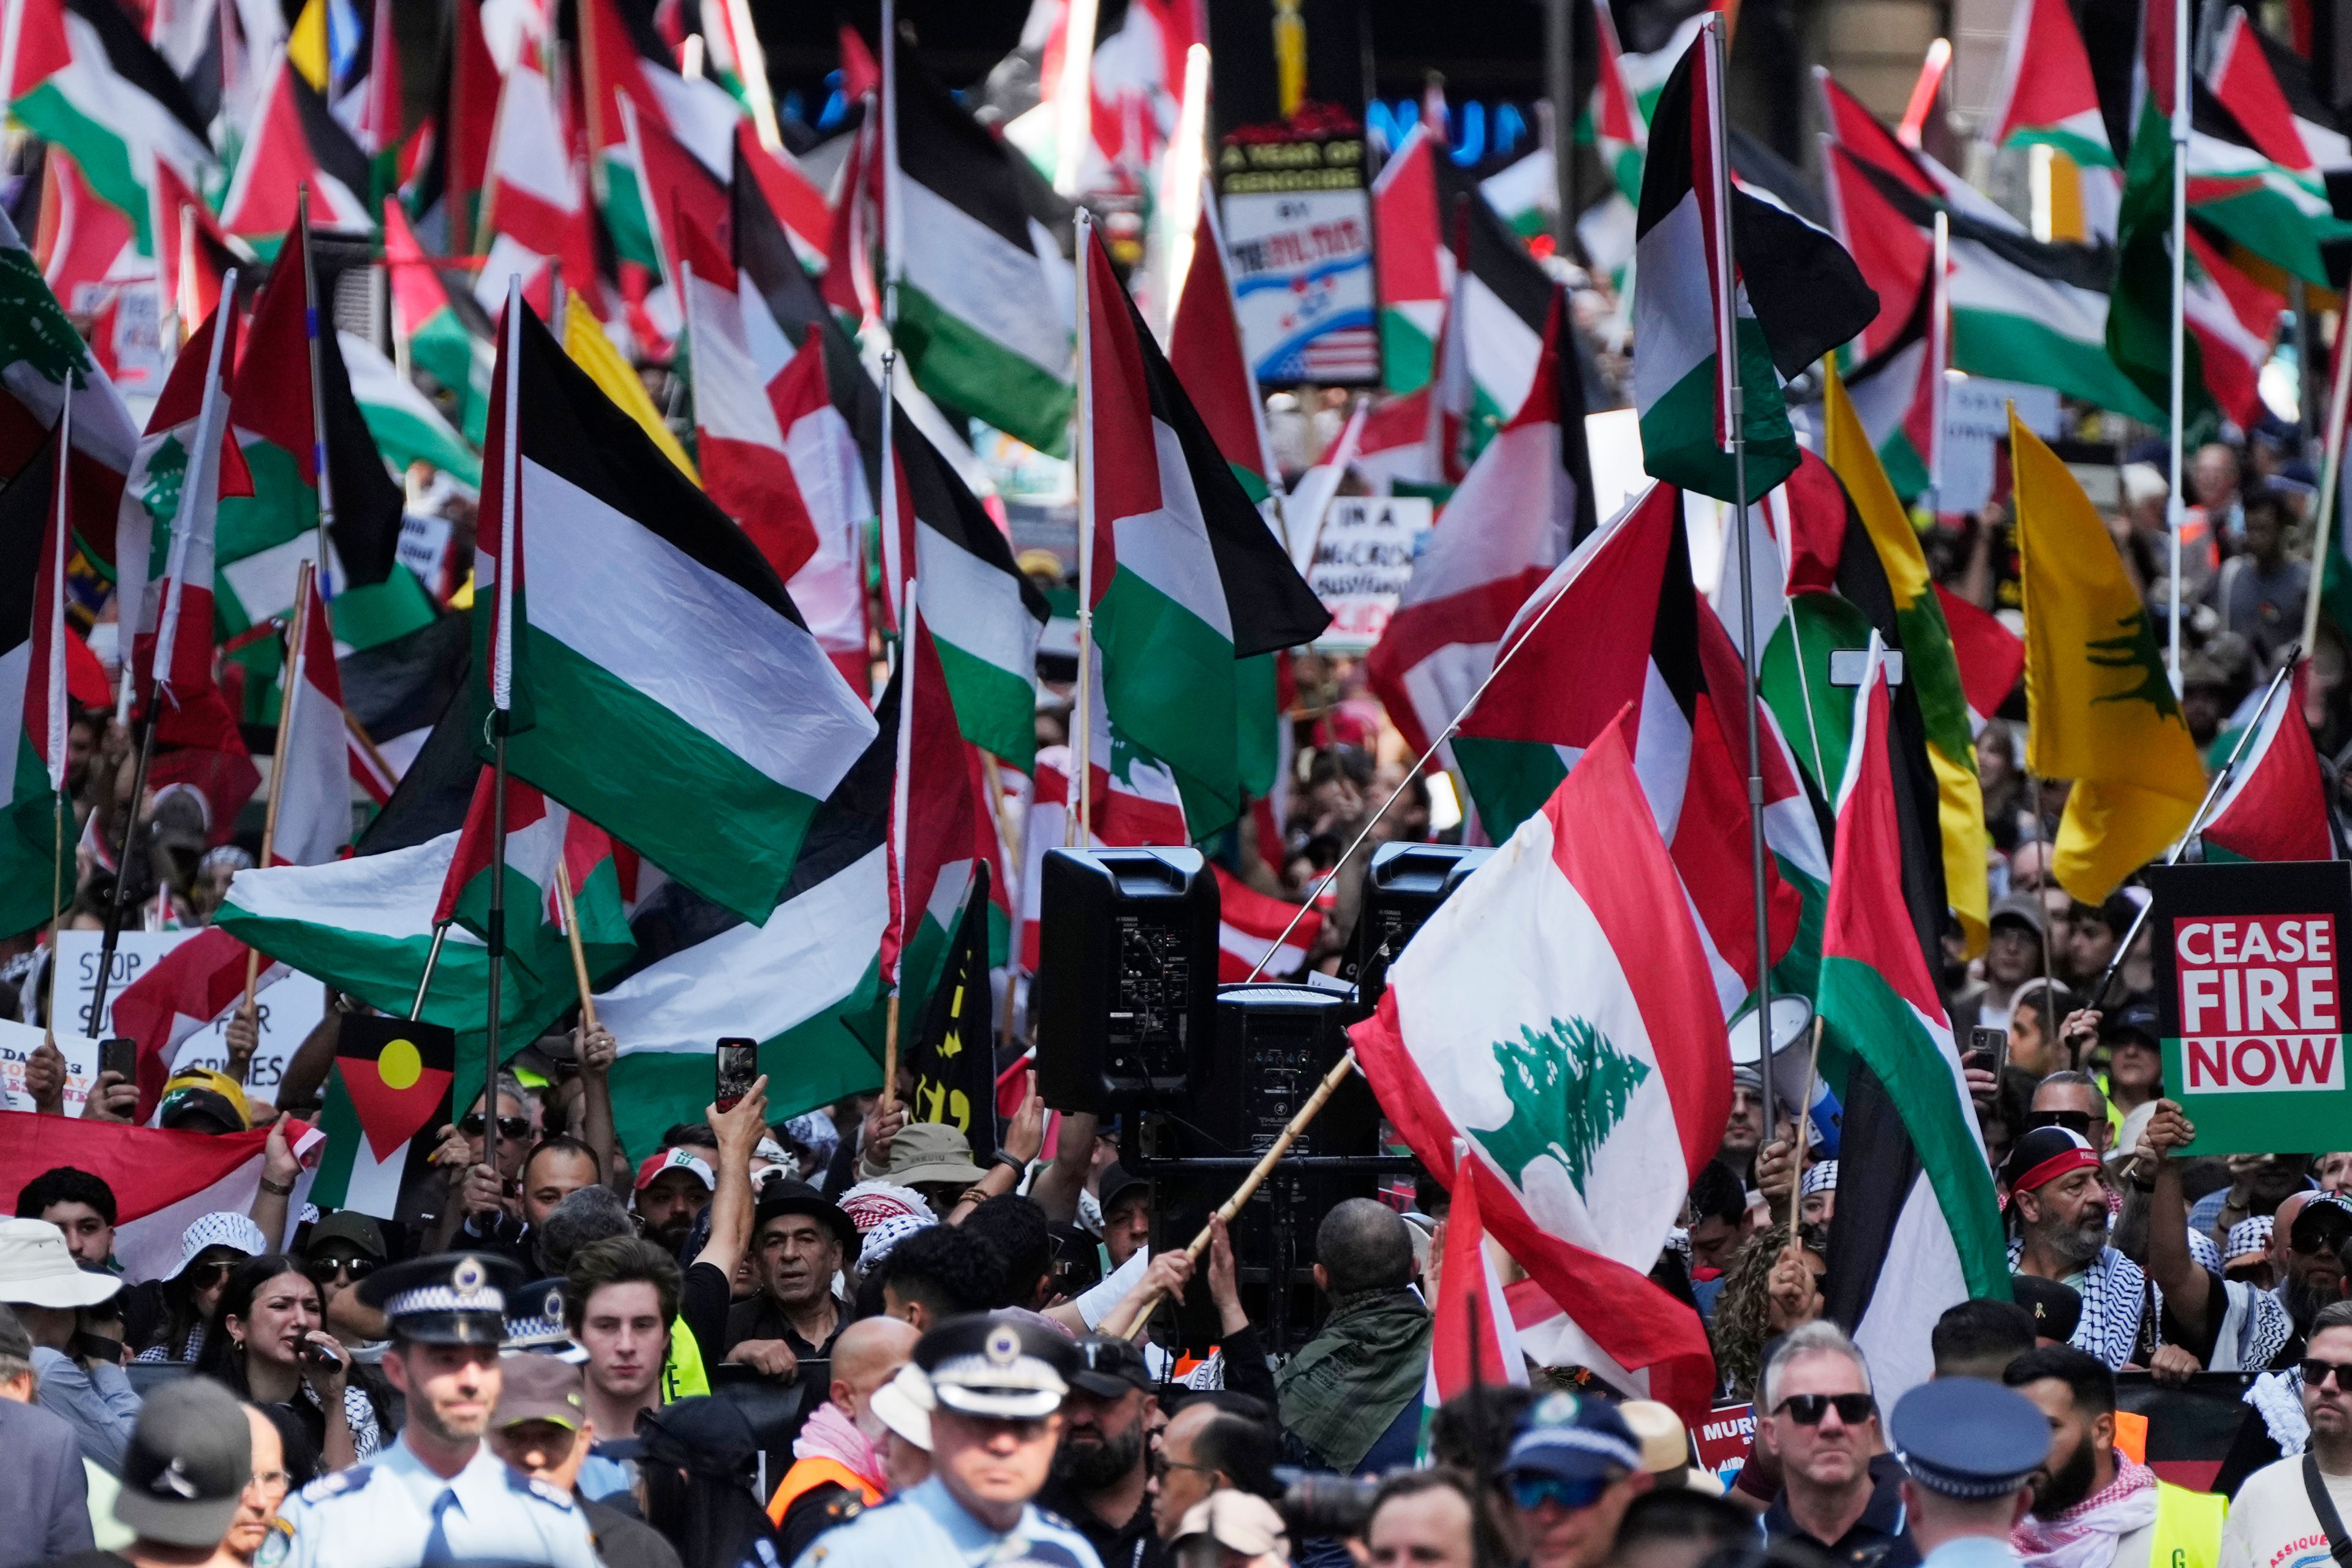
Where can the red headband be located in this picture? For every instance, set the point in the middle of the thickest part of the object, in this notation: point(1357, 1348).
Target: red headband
point(2075, 1157)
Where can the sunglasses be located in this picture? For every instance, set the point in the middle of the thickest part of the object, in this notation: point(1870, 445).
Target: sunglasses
point(2316, 1373)
point(204, 1276)
point(1530, 1493)
point(1807, 1410)
point(2075, 1122)
point(322, 1270)
point(513, 1128)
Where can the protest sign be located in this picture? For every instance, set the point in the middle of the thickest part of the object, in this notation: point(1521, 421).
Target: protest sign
point(1363, 559)
point(287, 1011)
point(1298, 238)
point(951, 1058)
point(1723, 1440)
point(18, 1041)
point(2249, 981)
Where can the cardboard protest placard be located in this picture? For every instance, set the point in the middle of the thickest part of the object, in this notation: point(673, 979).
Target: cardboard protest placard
point(2250, 974)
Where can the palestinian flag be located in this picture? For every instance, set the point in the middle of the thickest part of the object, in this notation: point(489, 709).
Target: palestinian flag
point(1615, 124)
point(2249, 76)
point(2103, 709)
point(647, 624)
point(1554, 1013)
point(1204, 349)
point(1990, 656)
point(192, 254)
point(33, 711)
point(2047, 97)
point(197, 984)
point(311, 777)
point(1249, 924)
point(1878, 1004)
point(540, 836)
point(164, 540)
point(295, 143)
point(1793, 294)
point(387, 1091)
point(798, 202)
point(1620, 627)
point(1186, 577)
point(448, 337)
point(1475, 1342)
point(43, 354)
point(806, 984)
point(447, 192)
point(1523, 506)
point(405, 426)
point(980, 271)
point(1896, 259)
point(1413, 269)
point(84, 81)
point(662, 141)
point(2275, 805)
point(534, 214)
point(162, 1182)
point(1929, 663)
point(1132, 803)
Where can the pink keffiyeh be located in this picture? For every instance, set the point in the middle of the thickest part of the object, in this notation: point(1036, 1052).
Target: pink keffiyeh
point(2084, 1536)
point(830, 1434)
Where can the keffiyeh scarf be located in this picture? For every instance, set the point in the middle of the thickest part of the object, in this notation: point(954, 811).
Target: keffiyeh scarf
point(830, 1434)
point(2115, 1295)
point(2084, 1536)
point(2277, 1398)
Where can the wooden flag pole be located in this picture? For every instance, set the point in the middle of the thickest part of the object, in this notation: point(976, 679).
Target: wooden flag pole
point(1250, 1185)
point(1079, 825)
point(1804, 1120)
point(572, 934)
point(288, 687)
point(367, 745)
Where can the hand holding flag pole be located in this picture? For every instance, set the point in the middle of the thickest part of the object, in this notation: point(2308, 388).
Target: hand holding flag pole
point(2213, 793)
point(571, 935)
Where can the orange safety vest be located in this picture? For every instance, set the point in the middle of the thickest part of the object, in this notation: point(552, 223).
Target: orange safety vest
point(807, 1475)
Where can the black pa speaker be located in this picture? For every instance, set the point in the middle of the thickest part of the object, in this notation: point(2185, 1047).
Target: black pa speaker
point(1402, 888)
point(1128, 962)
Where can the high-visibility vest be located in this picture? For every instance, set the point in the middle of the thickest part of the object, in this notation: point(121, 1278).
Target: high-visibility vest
point(682, 1374)
point(2188, 1528)
point(807, 1475)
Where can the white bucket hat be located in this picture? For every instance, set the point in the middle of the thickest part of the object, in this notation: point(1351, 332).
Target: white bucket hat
point(905, 1405)
point(37, 1269)
point(224, 1228)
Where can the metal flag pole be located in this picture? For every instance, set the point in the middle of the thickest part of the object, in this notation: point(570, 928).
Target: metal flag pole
point(1734, 426)
point(289, 693)
point(893, 209)
point(2197, 822)
point(502, 696)
point(1939, 355)
point(318, 394)
point(894, 565)
point(195, 485)
point(902, 802)
point(1076, 829)
point(53, 700)
point(2175, 507)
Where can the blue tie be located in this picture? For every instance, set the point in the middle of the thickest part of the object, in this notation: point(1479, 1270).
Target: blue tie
point(437, 1551)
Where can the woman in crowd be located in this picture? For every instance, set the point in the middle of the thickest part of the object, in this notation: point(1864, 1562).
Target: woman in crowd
point(265, 1343)
point(182, 1301)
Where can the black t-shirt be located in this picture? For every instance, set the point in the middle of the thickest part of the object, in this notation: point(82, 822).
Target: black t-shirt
point(1135, 1544)
point(90, 1559)
point(624, 1542)
point(703, 1301)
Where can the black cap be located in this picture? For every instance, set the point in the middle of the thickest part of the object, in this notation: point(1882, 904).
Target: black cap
point(1108, 1366)
point(1967, 1438)
point(187, 1465)
point(350, 1225)
point(2136, 1020)
point(1001, 1366)
point(449, 1299)
point(2056, 1306)
point(798, 1197)
point(1116, 1179)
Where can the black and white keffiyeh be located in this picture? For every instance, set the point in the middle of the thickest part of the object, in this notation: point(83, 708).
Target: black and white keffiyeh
point(2115, 1294)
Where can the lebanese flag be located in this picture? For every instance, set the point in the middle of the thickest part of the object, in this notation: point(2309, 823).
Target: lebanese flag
point(1991, 657)
point(2275, 808)
point(162, 1182)
point(748, 385)
point(313, 775)
point(1526, 501)
point(1248, 924)
point(1557, 1013)
point(197, 984)
point(1474, 1343)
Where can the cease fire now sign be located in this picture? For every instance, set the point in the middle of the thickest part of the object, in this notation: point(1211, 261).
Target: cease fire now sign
point(2250, 977)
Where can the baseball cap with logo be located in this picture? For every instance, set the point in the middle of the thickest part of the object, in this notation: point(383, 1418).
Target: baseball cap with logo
point(187, 1465)
point(199, 1091)
point(680, 1159)
point(539, 1388)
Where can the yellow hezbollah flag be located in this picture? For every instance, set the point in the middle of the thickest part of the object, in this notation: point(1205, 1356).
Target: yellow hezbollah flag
point(2102, 709)
point(306, 45)
point(1934, 668)
point(592, 351)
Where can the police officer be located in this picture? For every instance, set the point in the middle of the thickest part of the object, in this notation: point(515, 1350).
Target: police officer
point(996, 1381)
point(1970, 1450)
point(438, 1496)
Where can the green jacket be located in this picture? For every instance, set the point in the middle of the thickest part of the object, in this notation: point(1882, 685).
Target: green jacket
point(1353, 1379)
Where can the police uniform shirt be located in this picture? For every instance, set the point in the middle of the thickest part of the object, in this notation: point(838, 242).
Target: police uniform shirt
point(395, 1513)
point(925, 1525)
point(1973, 1552)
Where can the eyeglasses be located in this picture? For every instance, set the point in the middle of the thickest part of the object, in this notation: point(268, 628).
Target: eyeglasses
point(1530, 1493)
point(322, 1270)
point(513, 1128)
point(2316, 1373)
point(276, 1481)
point(1159, 1464)
point(2075, 1122)
point(1807, 1410)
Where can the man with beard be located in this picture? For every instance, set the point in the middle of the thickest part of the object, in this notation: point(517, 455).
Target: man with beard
point(2094, 1508)
point(838, 1459)
point(2226, 1325)
point(2060, 1211)
point(1098, 1479)
point(2307, 1236)
point(2273, 1522)
point(672, 1187)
